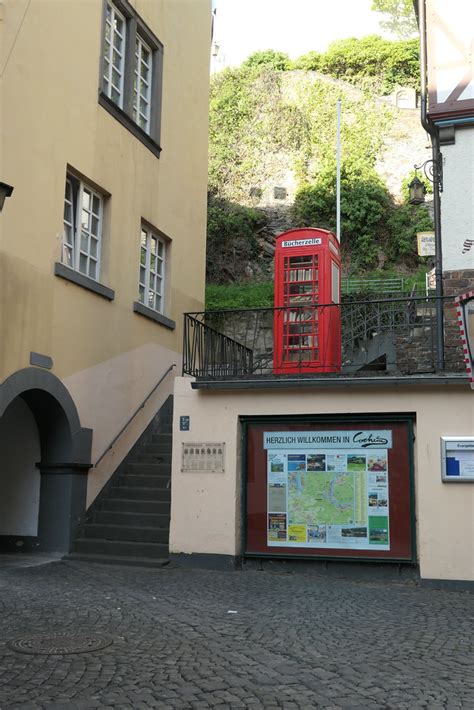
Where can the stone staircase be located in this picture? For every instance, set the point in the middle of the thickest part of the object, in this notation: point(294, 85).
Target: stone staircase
point(129, 521)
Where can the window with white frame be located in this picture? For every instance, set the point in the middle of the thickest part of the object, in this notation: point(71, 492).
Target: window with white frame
point(114, 53)
point(142, 85)
point(131, 72)
point(151, 282)
point(83, 220)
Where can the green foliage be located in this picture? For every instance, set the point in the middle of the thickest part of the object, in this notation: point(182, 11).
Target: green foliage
point(231, 240)
point(415, 279)
point(403, 222)
point(364, 204)
point(370, 221)
point(401, 16)
point(312, 61)
point(249, 295)
point(385, 63)
point(269, 59)
point(232, 108)
point(264, 122)
point(255, 121)
point(250, 122)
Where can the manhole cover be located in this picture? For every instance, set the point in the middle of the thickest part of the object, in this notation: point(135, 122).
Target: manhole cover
point(52, 644)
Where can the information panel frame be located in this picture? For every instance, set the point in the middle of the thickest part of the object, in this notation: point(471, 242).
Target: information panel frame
point(322, 461)
point(457, 459)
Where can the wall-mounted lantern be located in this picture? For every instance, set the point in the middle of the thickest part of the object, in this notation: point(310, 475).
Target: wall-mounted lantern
point(417, 192)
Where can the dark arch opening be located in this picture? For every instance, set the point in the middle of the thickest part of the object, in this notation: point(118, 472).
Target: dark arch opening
point(65, 454)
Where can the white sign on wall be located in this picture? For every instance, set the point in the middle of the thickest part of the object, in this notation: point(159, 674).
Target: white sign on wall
point(426, 243)
point(203, 457)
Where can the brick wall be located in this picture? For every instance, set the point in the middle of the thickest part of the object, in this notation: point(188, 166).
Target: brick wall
point(455, 283)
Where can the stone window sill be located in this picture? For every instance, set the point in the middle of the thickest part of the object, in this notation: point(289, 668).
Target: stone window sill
point(64, 272)
point(129, 123)
point(153, 315)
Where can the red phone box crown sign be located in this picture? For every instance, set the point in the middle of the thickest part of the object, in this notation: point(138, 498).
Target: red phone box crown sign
point(315, 241)
point(307, 322)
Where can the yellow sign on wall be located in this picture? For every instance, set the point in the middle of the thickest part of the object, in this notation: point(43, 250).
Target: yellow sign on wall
point(426, 243)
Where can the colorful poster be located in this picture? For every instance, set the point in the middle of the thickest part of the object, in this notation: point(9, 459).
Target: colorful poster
point(277, 526)
point(328, 498)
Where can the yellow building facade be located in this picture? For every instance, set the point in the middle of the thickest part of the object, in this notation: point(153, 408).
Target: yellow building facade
point(104, 109)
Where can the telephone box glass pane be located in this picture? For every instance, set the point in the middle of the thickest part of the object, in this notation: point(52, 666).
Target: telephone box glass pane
point(335, 283)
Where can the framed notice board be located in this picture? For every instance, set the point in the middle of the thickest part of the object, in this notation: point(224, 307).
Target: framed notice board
point(457, 459)
point(332, 487)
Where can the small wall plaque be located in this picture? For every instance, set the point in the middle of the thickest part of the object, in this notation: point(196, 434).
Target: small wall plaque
point(203, 458)
point(457, 459)
point(40, 360)
point(184, 423)
point(279, 193)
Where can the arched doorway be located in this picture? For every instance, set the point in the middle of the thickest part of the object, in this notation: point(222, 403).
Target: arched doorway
point(44, 460)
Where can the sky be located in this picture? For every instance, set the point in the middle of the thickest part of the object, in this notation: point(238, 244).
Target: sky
point(291, 26)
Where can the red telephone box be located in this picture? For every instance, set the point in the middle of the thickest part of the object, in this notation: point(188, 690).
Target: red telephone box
point(307, 322)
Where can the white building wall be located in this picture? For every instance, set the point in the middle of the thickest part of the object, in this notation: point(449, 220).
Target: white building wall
point(206, 508)
point(457, 201)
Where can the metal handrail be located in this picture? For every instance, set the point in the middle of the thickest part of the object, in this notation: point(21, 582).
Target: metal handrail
point(259, 309)
point(352, 284)
point(395, 332)
point(133, 415)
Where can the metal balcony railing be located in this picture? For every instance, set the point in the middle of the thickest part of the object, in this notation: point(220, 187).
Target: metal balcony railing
point(393, 335)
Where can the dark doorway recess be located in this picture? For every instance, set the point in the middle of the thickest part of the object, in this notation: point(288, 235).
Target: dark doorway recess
point(65, 458)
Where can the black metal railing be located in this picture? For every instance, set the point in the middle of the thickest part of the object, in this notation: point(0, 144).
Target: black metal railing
point(209, 352)
point(395, 335)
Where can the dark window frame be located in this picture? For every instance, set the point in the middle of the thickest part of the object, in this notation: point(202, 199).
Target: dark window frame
point(135, 26)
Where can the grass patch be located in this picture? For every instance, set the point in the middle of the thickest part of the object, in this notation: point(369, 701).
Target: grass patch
point(260, 295)
point(248, 295)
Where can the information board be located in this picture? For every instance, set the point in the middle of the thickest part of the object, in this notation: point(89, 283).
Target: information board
point(333, 491)
point(457, 459)
point(328, 490)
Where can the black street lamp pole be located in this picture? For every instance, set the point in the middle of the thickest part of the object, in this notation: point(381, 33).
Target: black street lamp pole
point(436, 175)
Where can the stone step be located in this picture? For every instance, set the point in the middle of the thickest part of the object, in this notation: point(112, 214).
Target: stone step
point(119, 548)
point(118, 560)
point(149, 469)
point(156, 458)
point(135, 480)
point(157, 450)
point(165, 424)
point(127, 505)
point(164, 440)
point(125, 533)
point(146, 520)
point(142, 494)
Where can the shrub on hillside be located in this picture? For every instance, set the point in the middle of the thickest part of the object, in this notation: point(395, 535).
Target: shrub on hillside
point(387, 63)
point(231, 239)
point(268, 59)
point(364, 205)
point(403, 222)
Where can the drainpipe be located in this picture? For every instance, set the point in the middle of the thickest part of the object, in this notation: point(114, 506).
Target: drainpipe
point(437, 187)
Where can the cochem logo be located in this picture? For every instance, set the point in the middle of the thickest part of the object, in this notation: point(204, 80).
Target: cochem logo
point(366, 440)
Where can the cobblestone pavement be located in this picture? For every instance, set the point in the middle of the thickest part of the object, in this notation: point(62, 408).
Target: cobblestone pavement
point(296, 641)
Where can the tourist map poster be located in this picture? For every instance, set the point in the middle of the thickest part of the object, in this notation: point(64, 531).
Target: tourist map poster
point(328, 489)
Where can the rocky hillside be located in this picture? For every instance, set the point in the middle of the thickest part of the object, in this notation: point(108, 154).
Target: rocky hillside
point(272, 149)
